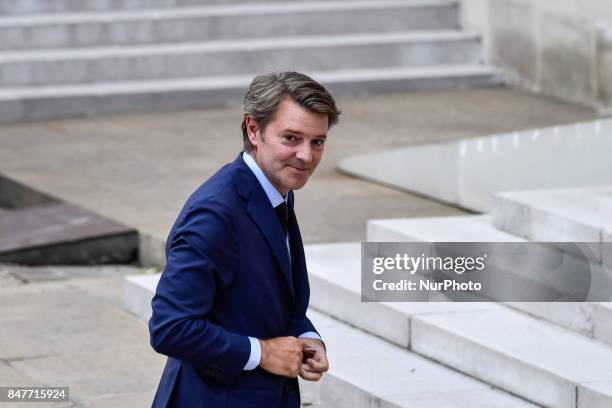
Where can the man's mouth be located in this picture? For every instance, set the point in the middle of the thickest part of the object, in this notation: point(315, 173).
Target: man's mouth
point(299, 168)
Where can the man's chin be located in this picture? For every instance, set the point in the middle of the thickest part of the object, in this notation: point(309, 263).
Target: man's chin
point(296, 185)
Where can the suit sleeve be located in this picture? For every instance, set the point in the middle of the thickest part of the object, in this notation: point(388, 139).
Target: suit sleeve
point(303, 325)
point(201, 254)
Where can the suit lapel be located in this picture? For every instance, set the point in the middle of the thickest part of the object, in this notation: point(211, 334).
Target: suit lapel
point(261, 212)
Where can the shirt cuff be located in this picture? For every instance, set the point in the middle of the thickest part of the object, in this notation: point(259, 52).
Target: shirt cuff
point(255, 356)
point(310, 335)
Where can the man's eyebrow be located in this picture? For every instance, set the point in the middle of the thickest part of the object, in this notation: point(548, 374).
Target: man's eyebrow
point(297, 132)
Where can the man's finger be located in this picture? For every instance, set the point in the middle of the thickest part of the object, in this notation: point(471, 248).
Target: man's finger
point(318, 366)
point(309, 375)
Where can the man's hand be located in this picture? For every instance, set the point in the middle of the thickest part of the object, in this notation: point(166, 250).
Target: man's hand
point(281, 356)
point(315, 359)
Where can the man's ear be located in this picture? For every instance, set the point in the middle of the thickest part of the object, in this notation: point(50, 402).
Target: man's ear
point(252, 130)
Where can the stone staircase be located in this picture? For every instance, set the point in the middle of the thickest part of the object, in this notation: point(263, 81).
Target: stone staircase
point(523, 348)
point(366, 370)
point(63, 58)
point(445, 354)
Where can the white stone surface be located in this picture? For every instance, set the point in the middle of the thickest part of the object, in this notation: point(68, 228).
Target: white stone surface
point(138, 291)
point(27, 103)
point(338, 266)
point(65, 58)
point(468, 228)
point(562, 215)
point(560, 49)
point(602, 322)
point(595, 395)
point(523, 355)
point(209, 22)
point(577, 316)
point(365, 371)
point(34, 7)
point(517, 353)
point(512, 44)
point(238, 57)
point(409, 168)
point(368, 372)
point(335, 279)
point(567, 60)
point(557, 157)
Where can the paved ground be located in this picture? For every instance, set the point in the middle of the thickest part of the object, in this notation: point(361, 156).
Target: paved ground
point(65, 326)
point(139, 169)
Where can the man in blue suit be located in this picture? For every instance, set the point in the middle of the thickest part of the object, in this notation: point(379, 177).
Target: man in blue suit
point(230, 307)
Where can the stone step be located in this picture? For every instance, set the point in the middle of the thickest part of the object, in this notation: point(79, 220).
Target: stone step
point(589, 319)
point(366, 371)
point(560, 215)
point(76, 100)
point(518, 353)
point(236, 57)
point(465, 228)
point(335, 289)
point(64, 234)
point(601, 318)
point(207, 23)
point(138, 291)
point(33, 7)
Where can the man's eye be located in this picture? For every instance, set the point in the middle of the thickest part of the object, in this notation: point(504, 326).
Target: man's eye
point(318, 142)
point(290, 138)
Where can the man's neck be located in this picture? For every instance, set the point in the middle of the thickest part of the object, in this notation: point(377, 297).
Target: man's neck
point(253, 154)
point(270, 190)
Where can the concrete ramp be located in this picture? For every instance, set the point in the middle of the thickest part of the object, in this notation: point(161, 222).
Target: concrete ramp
point(469, 172)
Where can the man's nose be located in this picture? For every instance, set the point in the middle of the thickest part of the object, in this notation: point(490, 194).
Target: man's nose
point(304, 153)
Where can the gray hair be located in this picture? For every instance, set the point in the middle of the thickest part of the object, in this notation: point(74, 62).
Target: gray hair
point(268, 90)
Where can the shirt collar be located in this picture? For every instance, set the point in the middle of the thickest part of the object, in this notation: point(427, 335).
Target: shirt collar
point(273, 194)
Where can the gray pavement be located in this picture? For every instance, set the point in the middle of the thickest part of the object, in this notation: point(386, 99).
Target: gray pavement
point(139, 169)
point(65, 326)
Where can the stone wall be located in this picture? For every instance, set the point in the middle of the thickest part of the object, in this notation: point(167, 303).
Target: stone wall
point(562, 49)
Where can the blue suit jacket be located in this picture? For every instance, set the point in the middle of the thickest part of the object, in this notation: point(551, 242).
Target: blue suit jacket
point(227, 276)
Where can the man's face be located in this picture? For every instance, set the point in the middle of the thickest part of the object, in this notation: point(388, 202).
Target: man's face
point(291, 147)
